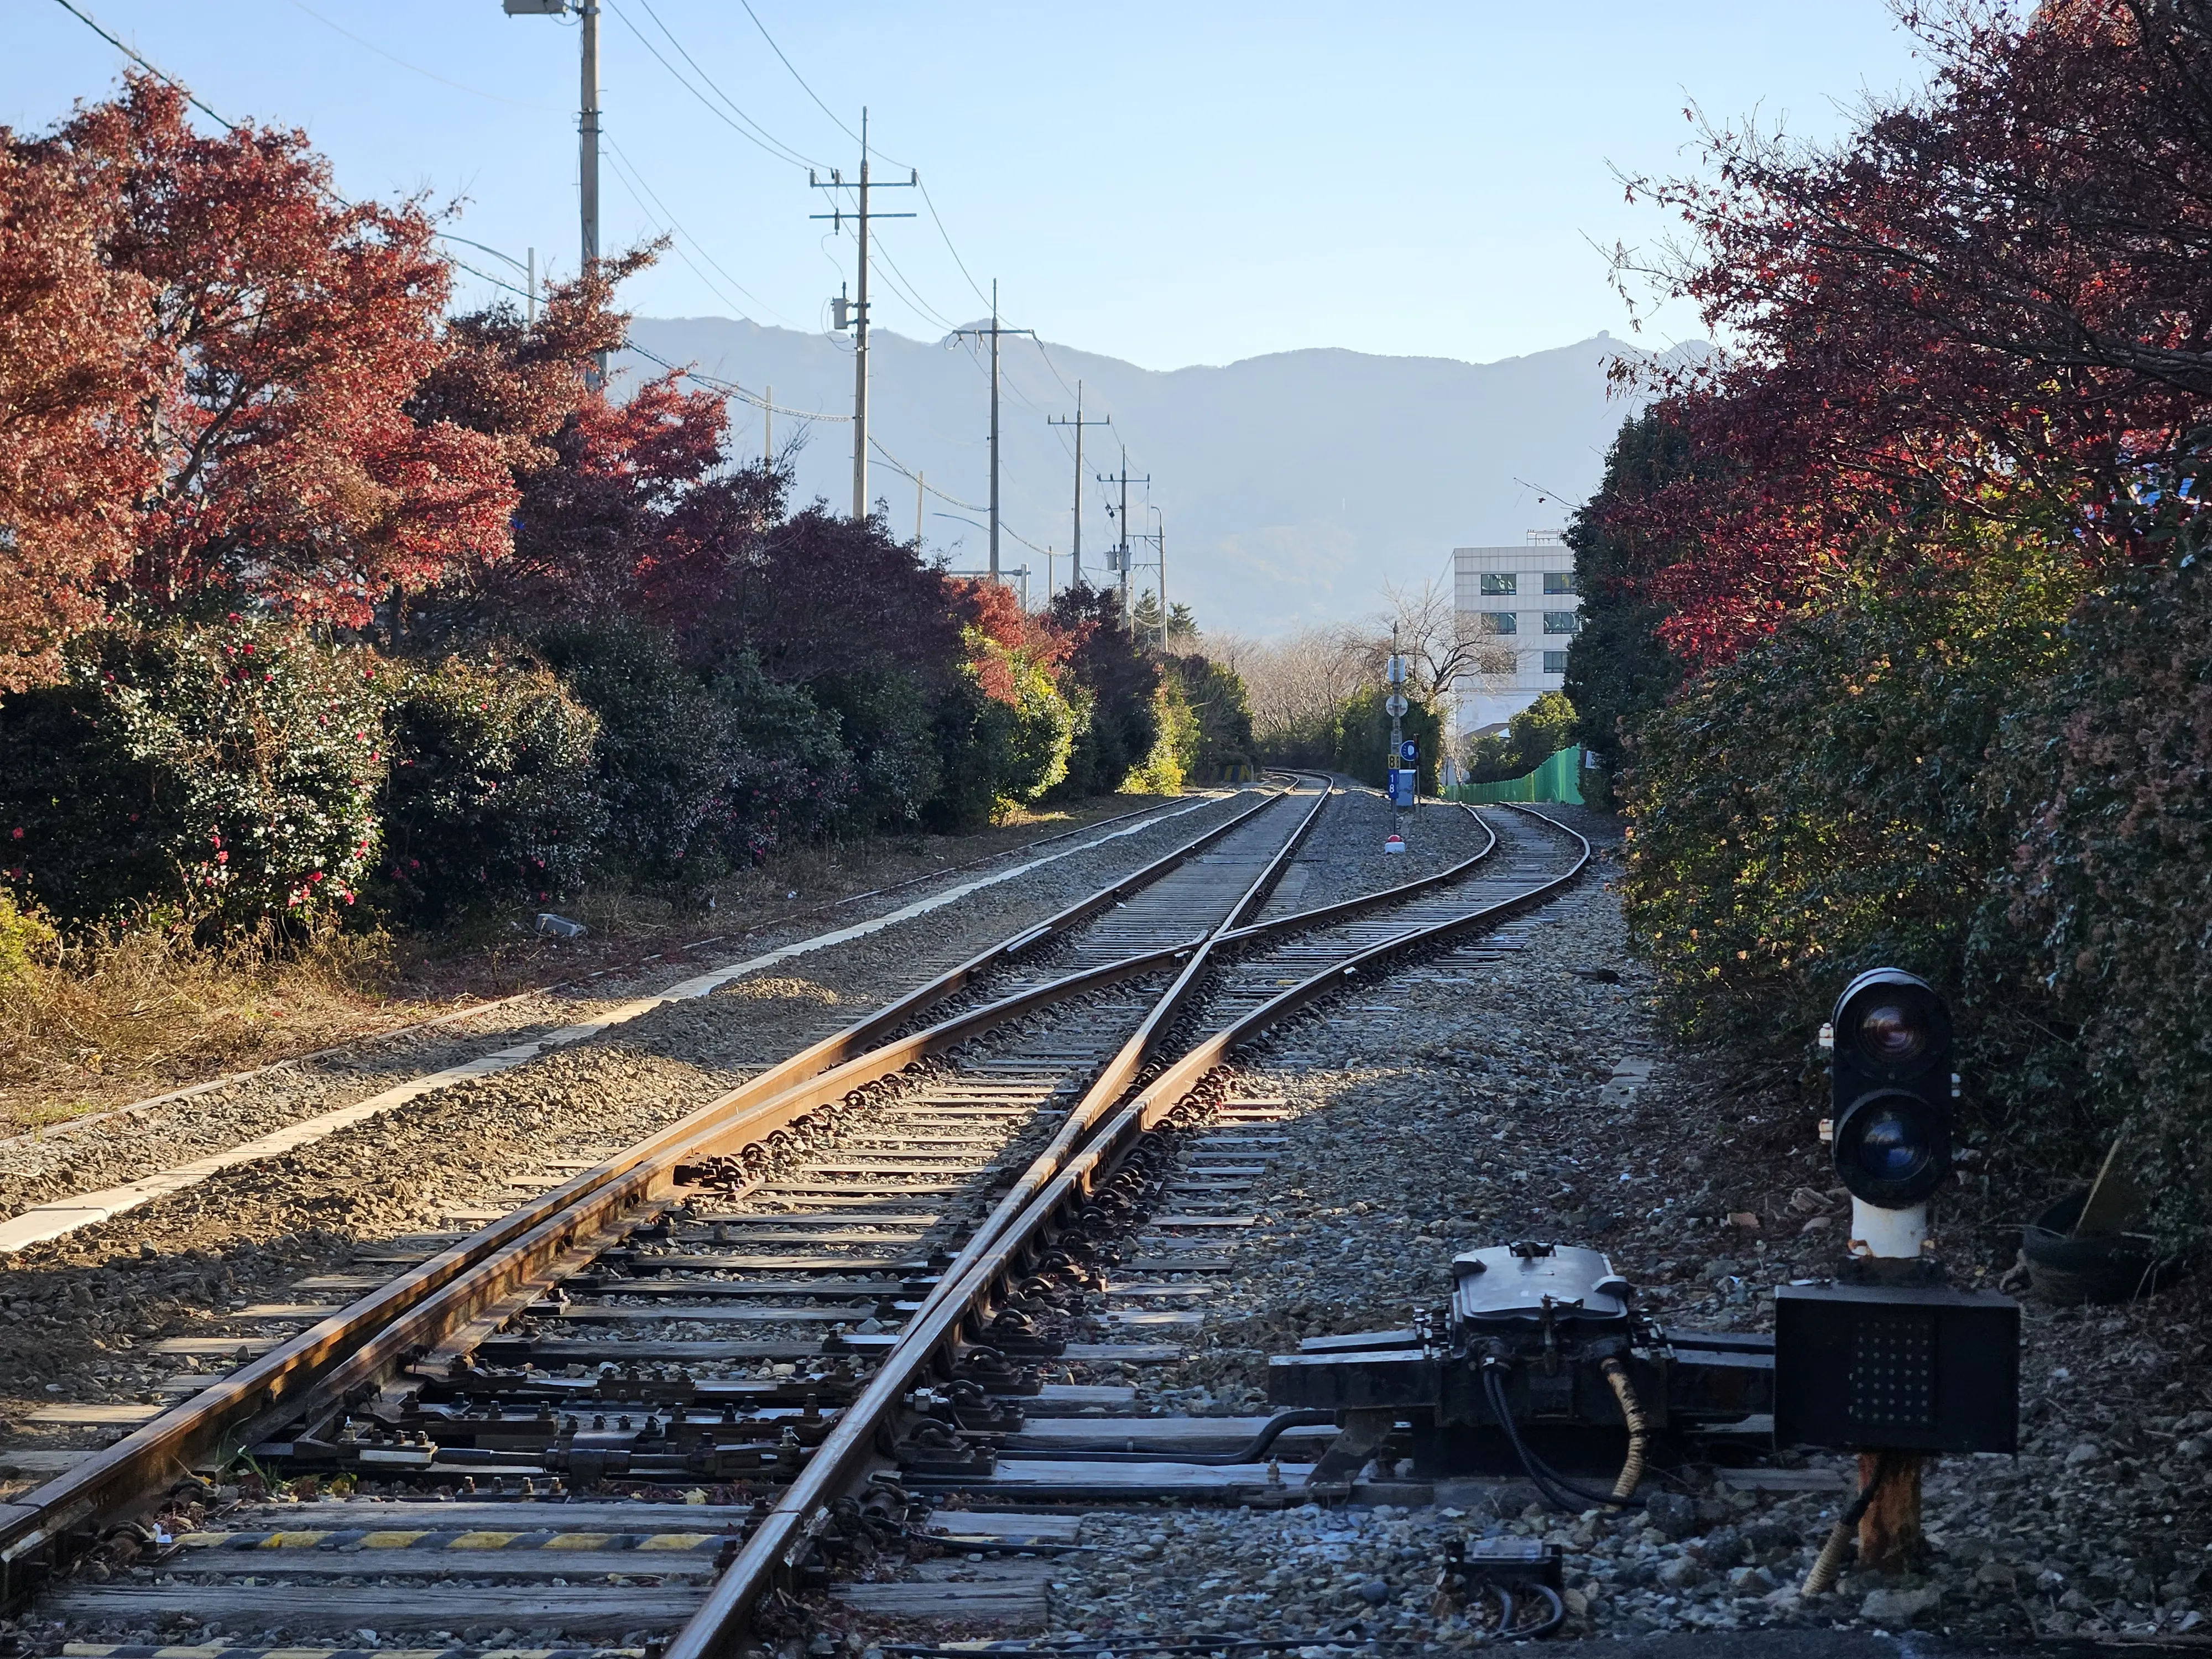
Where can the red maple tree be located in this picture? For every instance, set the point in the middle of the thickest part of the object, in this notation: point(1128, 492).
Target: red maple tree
point(1993, 300)
point(70, 385)
point(281, 331)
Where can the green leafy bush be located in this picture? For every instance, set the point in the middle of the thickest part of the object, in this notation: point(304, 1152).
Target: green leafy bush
point(787, 774)
point(490, 798)
point(1362, 738)
point(1530, 738)
point(886, 720)
point(698, 776)
point(2095, 936)
point(1222, 737)
point(1810, 809)
point(231, 773)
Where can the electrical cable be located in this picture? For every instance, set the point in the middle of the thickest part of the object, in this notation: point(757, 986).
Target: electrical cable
point(731, 388)
point(797, 76)
point(636, 176)
point(797, 157)
point(1830, 1561)
point(201, 105)
point(416, 69)
point(1549, 1481)
point(768, 146)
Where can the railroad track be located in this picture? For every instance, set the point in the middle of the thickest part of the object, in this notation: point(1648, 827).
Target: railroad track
point(740, 1354)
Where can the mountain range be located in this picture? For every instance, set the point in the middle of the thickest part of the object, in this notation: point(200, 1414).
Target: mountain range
point(1292, 487)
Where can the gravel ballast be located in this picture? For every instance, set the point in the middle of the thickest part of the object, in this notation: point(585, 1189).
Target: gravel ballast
point(1457, 1105)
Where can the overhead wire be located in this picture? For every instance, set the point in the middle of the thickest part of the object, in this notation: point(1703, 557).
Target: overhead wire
point(416, 69)
point(768, 145)
point(791, 153)
point(636, 175)
point(732, 389)
point(797, 76)
point(229, 125)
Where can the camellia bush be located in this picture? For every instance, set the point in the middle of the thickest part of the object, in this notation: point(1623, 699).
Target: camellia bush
point(1812, 806)
point(229, 774)
point(2096, 931)
point(491, 795)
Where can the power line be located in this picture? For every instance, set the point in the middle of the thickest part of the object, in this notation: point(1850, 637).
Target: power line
point(191, 97)
point(797, 76)
point(797, 157)
point(416, 69)
point(731, 387)
point(768, 145)
point(632, 173)
point(228, 125)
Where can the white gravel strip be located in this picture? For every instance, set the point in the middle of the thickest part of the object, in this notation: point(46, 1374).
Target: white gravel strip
point(66, 1215)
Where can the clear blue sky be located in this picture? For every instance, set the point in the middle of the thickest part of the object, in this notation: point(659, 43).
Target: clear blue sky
point(1168, 183)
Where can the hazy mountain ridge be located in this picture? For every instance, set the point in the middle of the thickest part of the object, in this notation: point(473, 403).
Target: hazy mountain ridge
point(1293, 485)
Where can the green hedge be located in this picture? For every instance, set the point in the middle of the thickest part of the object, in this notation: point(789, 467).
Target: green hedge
point(490, 797)
point(227, 775)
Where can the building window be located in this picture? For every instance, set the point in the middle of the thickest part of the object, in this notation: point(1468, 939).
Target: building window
point(1496, 663)
point(1495, 586)
point(1555, 662)
point(1499, 621)
point(1562, 621)
point(1560, 581)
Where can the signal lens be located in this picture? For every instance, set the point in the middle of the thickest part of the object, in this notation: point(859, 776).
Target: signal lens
point(1890, 1034)
point(1892, 1148)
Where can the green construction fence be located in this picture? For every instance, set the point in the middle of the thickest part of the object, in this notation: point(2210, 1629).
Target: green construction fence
point(1558, 779)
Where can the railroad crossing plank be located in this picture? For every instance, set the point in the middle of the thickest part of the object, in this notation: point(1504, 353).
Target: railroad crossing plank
point(583, 1609)
point(92, 1416)
point(1167, 1435)
point(1006, 1593)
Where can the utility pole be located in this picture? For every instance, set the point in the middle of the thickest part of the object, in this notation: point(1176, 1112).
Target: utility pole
point(1075, 568)
point(588, 125)
point(1121, 553)
point(1158, 537)
point(768, 431)
point(919, 489)
point(530, 301)
point(858, 310)
point(994, 332)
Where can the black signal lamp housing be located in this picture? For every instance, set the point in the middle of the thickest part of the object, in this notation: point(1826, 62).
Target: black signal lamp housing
point(1892, 1086)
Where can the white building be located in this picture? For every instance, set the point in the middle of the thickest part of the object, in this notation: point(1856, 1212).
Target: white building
point(1521, 608)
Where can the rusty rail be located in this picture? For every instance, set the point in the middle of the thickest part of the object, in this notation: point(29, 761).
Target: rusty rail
point(340, 1350)
point(719, 1630)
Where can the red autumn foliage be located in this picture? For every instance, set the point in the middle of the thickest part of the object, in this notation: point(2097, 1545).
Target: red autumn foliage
point(1992, 299)
point(69, 387)
point(286, 331)
point(209, 357)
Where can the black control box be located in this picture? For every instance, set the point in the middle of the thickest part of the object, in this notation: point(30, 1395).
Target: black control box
point(1866, 1367)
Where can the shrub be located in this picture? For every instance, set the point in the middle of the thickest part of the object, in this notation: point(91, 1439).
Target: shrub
point(1177, 747)
point(25, 939)
point(490, 797)
point(1530, 738)
point(2095, 934)
point(787, 774)
point(886, 721)
point(231, 772)
point(697, 775)
point(1362, 738)
point(1809, 809)
point(1215, 695)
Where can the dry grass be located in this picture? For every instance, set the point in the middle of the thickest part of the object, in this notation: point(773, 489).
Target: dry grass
point(94, 1021)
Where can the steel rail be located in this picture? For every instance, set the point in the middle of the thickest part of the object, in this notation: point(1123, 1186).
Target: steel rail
point(538, 1256)
point(719, 1630)
point(477, 1272)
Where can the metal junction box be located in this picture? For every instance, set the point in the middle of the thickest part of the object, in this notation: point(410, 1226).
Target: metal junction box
point(1926, 1368)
